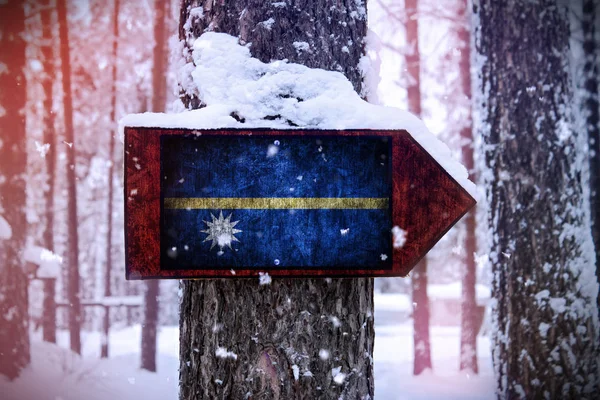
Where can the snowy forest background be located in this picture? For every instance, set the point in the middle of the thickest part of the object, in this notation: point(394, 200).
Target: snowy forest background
point(94, 335)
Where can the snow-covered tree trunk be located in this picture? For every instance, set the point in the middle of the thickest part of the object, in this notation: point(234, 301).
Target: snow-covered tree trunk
point(544, 286)
point(468, 308)
point(418, 277)
point(73, 294)
point(14, 334)
point(592, 112)
point(294, 338)
point(159, 93)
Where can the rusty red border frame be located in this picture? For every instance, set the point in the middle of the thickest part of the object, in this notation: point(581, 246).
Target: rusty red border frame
point(426, 203)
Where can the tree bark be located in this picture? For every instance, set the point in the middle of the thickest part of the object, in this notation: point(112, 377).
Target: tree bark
point(159, 87)
point(545, 316)
point(422, 347)
point(14, 320)
point(592, 111)
point(49, 76)
point(73, 241)
point(290, 336)
point(468, 308)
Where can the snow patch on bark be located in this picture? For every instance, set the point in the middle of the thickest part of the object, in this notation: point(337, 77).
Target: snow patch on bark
point(370, 67)
point(338, 376)
point(222, 352)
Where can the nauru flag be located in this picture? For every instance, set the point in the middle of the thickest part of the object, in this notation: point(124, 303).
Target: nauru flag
point(265, 201)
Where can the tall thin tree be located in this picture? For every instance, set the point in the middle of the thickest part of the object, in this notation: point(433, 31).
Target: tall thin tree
point(14, 333)
point(545, 315)
point(468, 325)
point(420, 299)
point(274, 330)
point(73, 239)
point(110, 173)
point(159, 88)
point(48, 79)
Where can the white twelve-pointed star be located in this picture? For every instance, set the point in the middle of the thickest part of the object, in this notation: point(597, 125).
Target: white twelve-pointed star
point(220, 231)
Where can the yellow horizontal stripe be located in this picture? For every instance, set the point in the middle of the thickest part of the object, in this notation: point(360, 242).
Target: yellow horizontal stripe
point(228, 203)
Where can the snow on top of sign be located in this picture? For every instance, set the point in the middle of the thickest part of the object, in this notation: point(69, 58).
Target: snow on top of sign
point(242, 92)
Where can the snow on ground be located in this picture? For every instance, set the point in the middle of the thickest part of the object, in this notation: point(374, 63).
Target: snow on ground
point(57, 374)
point(393, 367)
point(453, 291)
point(392, 302)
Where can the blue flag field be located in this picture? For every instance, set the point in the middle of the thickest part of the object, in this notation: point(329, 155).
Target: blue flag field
point(232, 201)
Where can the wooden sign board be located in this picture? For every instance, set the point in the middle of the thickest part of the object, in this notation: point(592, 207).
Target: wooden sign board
point(294, 203)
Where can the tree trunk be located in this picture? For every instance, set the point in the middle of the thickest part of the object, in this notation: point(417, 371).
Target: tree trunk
point(592, 111)
point(420, 300)
point(14, 320)
point(48, 78)
point(49, 310)
point(422, 347)
point(150, 325)
point(73, 242)
point(110, 173)
point(159, 87)
point(545, 316)
point(468, 308)
point(160, 56)
point(289, 336)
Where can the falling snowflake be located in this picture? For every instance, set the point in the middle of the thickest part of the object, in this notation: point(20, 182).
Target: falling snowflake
point(43, 149)
point(399, 237)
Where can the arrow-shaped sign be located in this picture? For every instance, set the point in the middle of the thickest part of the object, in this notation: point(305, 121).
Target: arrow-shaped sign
point(225, 203)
